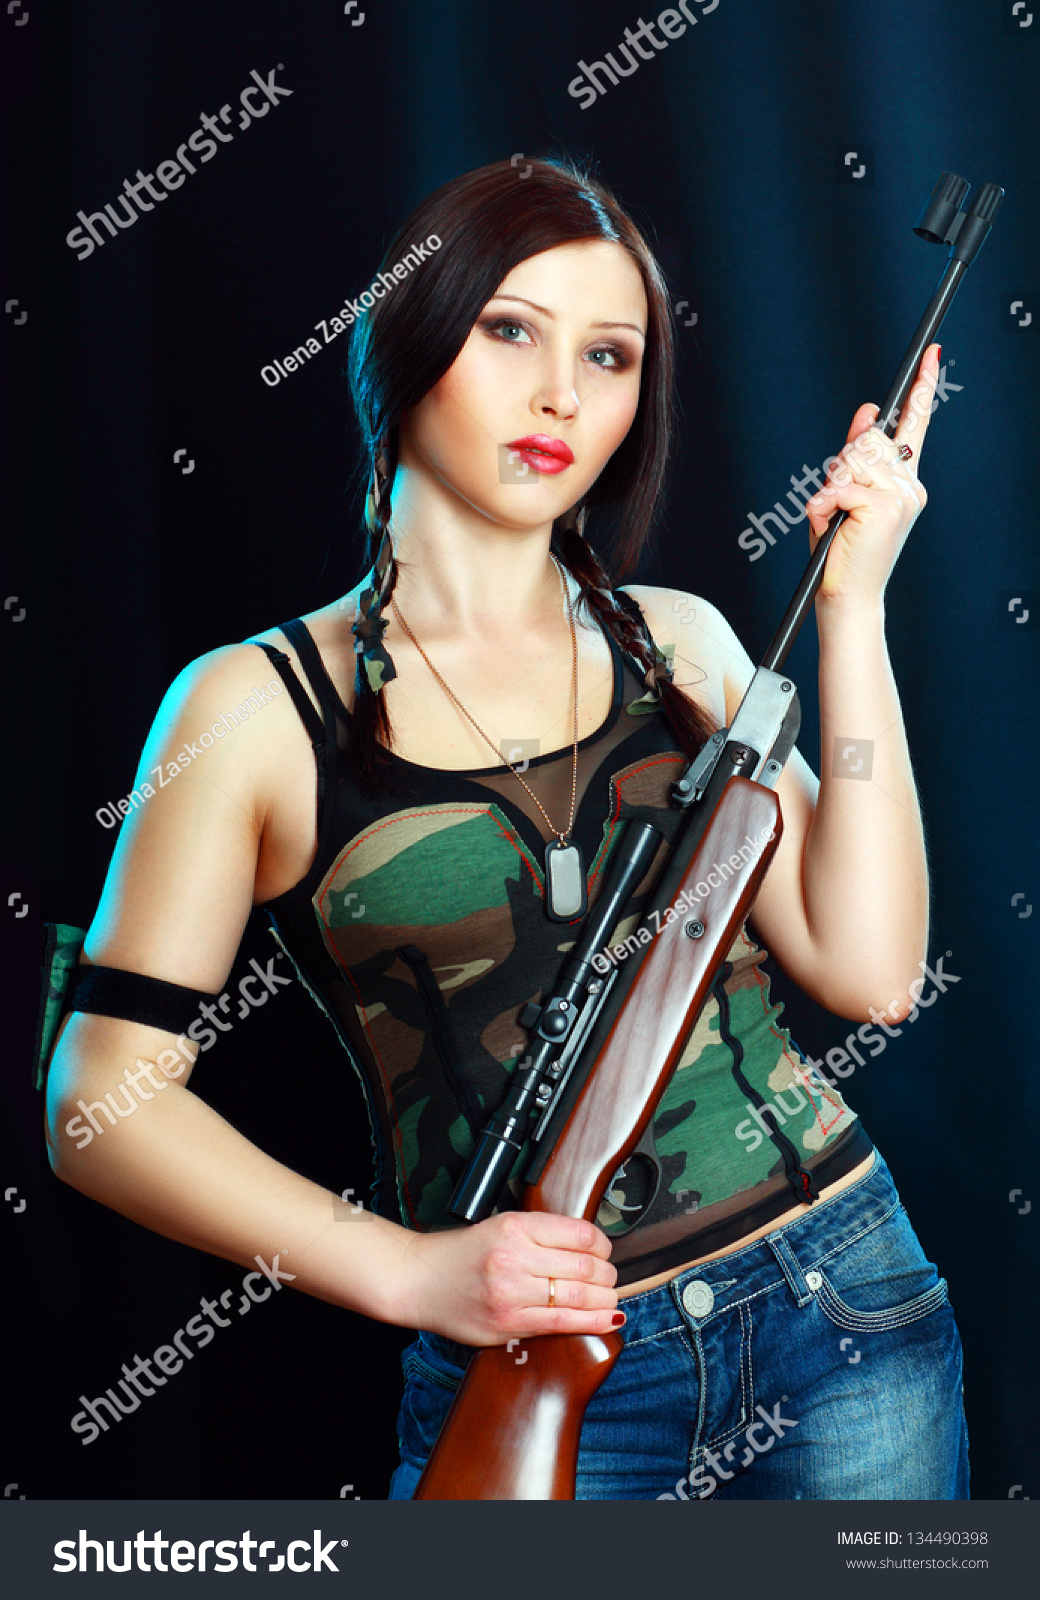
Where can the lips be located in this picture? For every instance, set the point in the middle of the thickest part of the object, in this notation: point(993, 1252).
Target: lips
point(542, 452)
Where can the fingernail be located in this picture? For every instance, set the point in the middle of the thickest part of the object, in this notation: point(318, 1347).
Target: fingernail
point(938, 355)
point(618, 1318)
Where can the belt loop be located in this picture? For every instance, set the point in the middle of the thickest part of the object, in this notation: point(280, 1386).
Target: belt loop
point(789, 1267)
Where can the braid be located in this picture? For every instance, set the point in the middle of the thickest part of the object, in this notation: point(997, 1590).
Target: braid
point(370, 729)
point(690, 723)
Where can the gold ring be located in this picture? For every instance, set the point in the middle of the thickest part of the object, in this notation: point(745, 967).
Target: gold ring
point(552, 1291)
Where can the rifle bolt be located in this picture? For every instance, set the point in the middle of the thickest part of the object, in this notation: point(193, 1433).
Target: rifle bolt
point(693, 930)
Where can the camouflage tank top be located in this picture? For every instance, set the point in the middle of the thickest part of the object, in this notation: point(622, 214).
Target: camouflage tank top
point(421, 932)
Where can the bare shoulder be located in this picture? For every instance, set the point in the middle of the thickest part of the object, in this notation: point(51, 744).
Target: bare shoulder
point(216, 694)
point(227, 732)
point(710, 660)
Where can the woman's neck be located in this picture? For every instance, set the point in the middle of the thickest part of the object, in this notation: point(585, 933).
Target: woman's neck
point(459, 571)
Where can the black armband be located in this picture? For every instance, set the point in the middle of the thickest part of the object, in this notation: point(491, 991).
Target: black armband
point(111, 992)
point(102, 991)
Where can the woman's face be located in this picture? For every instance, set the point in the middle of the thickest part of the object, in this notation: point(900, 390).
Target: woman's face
point(552, 364)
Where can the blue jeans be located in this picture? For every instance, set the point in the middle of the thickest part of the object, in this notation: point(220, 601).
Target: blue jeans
point(822, 1362)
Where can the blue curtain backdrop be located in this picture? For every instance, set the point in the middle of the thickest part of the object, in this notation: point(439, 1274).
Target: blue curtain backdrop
point(777, 155)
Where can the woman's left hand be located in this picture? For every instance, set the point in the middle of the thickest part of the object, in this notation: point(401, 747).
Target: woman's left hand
point(881, 493)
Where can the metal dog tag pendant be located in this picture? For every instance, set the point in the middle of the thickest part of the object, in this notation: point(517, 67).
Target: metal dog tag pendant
point(565, 895)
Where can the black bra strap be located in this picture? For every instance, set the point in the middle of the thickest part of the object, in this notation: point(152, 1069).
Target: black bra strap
point(321, 730)
point(300, 638)
point(111, 992)
point(308, 716)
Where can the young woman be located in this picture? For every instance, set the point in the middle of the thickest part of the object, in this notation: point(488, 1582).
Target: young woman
point(481, 714)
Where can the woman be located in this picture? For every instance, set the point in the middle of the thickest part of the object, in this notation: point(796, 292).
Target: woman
point(507, 712)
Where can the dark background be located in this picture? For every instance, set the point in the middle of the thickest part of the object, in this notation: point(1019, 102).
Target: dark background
point(807, 286)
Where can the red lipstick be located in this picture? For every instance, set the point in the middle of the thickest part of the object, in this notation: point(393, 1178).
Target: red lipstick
point(542, 452)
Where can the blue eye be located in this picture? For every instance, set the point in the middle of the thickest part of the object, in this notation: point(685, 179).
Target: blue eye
point(501, 325)
point(609, 358)
point(618, 358)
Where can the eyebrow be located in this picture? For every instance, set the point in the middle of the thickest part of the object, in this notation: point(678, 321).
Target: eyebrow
point(547, 313)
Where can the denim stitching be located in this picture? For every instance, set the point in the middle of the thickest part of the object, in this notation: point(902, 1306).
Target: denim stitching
point(745, 1376)
point(847, 1243)
point(416, 1361)
point(724, 1438)
point(781, 1281)
point(738, 1427)
point(649, 1338)
point(742, 1300)
point(702, 1402)
point(791, 1268)
point(732, 1305)
point(882, 1321)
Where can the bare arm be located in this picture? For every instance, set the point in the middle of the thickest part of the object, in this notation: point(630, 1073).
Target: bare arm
point(844, 907)
point(175, 903)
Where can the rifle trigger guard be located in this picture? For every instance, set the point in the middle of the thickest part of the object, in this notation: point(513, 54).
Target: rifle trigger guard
point(647, 1148)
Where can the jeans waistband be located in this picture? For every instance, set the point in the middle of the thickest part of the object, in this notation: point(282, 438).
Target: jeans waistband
point(785, 1254)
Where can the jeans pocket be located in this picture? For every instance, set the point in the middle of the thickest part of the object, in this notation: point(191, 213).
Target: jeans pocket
point(430, 1385)
point(881, 1280)
point(422, 1360)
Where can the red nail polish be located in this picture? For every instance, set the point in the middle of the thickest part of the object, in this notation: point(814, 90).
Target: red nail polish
point(618, 1318)
point(939, 354)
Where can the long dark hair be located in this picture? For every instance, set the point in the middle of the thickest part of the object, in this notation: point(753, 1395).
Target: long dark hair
point(487, 221)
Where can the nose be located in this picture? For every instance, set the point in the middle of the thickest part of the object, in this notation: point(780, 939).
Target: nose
point(557, 396)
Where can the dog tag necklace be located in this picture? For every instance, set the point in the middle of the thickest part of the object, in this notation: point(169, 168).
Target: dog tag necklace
point(565, 890)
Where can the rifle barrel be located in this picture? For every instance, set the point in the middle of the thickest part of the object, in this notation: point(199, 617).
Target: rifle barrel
point(503, 1136)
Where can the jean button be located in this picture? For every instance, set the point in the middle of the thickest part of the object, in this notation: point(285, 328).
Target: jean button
point(698, 1297)
point(814, 1281)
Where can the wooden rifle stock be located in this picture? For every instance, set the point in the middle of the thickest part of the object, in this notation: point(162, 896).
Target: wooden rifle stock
point(513, 1429)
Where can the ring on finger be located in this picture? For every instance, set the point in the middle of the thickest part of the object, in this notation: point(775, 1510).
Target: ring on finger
point(552, 1291)
point(903, 450)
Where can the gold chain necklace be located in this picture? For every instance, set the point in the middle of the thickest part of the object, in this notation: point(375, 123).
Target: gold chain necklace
point(564, 866)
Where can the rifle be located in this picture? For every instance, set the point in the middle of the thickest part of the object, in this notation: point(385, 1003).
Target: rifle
point(603, 1050)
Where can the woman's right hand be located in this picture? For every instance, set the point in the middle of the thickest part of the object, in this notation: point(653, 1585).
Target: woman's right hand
point(488, 1283)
